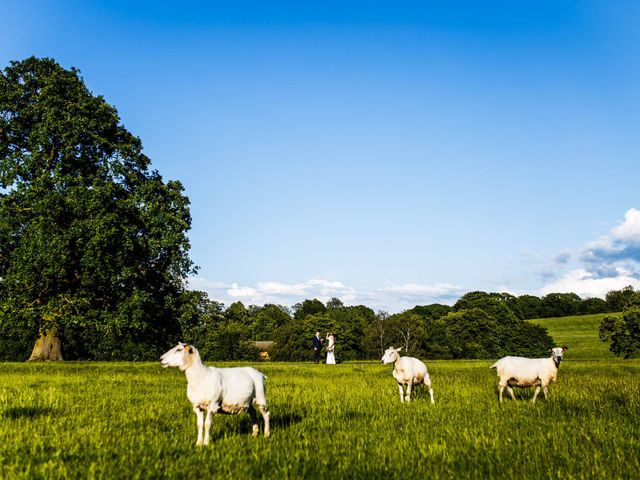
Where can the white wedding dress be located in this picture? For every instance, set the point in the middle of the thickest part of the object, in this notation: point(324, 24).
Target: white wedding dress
point(331, 358)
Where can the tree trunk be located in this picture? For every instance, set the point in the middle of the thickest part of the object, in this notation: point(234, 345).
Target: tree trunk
point(47, 347)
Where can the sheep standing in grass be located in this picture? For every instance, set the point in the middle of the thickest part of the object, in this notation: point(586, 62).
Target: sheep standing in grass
point(219, 390)
point(528, 372)
point(407, 371)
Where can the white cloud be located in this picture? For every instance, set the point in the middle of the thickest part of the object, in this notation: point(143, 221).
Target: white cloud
point(201, 283)
point(607, 263)
point(587, 284)
point(236, 291)
point(629, 230)
point(417, 290)
point(602, 243)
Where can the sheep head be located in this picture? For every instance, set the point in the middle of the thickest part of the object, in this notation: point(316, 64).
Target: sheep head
point(391, 355)
point(180, 356)
point(557, 354)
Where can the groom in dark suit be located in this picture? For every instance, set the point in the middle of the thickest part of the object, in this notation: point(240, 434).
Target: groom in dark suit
point(317, 346)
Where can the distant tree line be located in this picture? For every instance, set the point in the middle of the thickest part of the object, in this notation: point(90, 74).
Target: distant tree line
point(478, 325)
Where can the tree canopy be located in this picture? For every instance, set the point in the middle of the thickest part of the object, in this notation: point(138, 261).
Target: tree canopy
point(91, 240)
point(622, 330)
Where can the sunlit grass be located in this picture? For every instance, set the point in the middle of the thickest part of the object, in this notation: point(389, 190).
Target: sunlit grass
point(580, 333)
point(123, 420)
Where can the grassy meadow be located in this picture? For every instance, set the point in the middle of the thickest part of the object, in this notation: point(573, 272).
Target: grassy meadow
point(126, 420)
point(580, 333)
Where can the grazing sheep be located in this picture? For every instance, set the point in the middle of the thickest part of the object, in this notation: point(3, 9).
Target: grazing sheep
point(528, 372)
point(223, 390)
point(407, 371)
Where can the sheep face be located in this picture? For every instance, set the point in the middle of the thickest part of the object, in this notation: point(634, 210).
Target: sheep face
point(557, 354)
point(179, 356)
point(391, 355)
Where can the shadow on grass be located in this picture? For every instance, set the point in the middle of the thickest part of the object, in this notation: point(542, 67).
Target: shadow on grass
point(420, 393)
point(242, 425)
point(284, 420)
point(14, 413)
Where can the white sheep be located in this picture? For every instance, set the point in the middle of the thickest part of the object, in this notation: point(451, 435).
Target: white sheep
point(407, 371)
point(219, 390)
point(528, 372)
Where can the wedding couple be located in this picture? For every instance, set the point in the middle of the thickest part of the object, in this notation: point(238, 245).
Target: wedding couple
point(317, 346)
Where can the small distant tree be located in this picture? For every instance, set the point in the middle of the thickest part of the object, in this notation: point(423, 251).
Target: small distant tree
point(616, 300)
point(530, 306)
point(590, 306)
point(560, 305)
point(472, 333)
point(408, 330)
point(377, 335)
point(237, 313)
point(267, 319)
point(486, 301)
point(432, 312)
point(334, 303)
point(308, 307)
point(623, 330)
point(200, 318)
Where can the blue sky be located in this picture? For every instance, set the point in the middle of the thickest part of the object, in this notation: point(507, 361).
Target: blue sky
point(388, 153)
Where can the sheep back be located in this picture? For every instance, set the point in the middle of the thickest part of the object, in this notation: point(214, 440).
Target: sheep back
point(525, 372)
point(409, 369)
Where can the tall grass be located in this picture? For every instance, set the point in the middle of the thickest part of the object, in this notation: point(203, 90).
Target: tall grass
point(123, 420)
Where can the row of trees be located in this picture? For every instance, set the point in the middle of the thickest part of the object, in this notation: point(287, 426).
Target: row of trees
point(478, 325)
point(94, 257)
point(566, 304)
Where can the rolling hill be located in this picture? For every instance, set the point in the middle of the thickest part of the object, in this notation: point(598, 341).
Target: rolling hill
point(579, 333)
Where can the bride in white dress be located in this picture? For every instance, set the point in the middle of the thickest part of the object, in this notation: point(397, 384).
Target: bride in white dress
point(331, 358)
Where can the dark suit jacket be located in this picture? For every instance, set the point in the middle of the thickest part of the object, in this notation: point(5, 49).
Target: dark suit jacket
point(317, 343)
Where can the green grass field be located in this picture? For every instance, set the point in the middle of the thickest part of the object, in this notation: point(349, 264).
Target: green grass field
point(125, 420)
point(580, 333)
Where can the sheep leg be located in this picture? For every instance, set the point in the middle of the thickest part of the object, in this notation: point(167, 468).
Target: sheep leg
point(545, 390)
point(409, 388)
point(500, 390)
point(535, 395)
point(510, 390)
point(200, 423)
point(207, 426)
point(427, 382)
point(254, 421)
point(401, 392)
point(265, 416)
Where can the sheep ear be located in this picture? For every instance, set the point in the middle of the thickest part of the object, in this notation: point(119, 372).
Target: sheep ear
point(564, 349)
point(398, 349)
point(549, 349)
point(190, 349)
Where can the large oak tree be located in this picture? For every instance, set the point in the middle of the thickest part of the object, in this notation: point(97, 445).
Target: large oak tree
point(90, 237)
